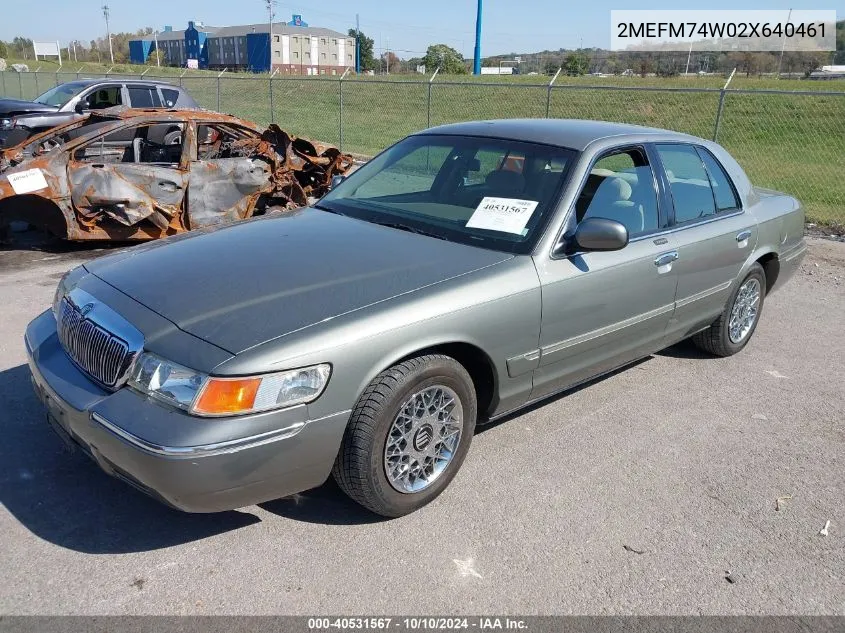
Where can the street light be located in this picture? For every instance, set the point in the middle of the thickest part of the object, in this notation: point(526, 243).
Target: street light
point(108, 33)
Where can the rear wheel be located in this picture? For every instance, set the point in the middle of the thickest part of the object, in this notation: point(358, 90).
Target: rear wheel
point(734, 328)
point(408, 435)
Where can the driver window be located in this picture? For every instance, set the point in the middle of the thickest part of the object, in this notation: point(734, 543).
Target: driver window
point(621, 187)
point(218, 141)
point(138, 144)
point(104, 97)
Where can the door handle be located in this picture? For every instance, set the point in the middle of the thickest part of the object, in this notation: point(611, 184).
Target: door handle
point(666, 258)
point(744, 235)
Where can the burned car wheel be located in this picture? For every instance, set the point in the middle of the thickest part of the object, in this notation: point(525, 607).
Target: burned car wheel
point(408, 435)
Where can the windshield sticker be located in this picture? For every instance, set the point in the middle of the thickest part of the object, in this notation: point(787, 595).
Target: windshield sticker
point(27, 181)
point(507, 215)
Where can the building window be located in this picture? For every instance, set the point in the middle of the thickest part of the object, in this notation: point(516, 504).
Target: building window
point(277, 53)
point(350, 42)
point(275, 38)
point(307, 54)
point(295, 40)
point(323, 55)
point(296, 54)
point(322, 40)
point(334, 41)
point(334, 56)
point(307, 40)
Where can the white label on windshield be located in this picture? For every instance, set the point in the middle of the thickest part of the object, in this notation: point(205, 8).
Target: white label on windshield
point(508, 215)
point(27, 181)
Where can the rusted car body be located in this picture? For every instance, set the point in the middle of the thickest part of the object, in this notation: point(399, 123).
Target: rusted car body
point(102, 178)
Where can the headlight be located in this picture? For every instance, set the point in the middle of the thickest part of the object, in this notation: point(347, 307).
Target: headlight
point(166, 380)
point(6, 124)
point(211, 396)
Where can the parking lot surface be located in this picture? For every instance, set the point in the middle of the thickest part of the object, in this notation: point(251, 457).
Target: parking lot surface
point(683, 484)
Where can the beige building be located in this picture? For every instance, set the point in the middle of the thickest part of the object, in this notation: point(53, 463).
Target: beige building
point(294, 50)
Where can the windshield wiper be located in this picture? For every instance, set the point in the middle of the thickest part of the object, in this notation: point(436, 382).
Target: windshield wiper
point(411, 229)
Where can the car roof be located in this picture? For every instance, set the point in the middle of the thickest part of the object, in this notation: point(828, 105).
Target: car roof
point(575, 134)
point(88, 81)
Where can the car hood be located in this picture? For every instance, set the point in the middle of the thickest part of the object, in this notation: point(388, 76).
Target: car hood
point(244, 284)
point(16, 105)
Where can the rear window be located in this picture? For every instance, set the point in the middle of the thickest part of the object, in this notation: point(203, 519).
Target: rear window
point(143, 97)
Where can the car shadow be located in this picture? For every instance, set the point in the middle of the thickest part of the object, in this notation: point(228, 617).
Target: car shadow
point(327, 505)
point(486, 426)
point(65, 499)
point(686, 349)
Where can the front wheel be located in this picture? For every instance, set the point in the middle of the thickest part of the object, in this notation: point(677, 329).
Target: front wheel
point(734, 328)
point(408, 435)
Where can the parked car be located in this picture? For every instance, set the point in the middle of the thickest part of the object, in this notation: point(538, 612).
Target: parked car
point(68, 101)
point(466, 272)
point(106, 177)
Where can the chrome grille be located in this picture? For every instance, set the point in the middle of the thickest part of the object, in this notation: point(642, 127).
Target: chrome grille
point(96, 351)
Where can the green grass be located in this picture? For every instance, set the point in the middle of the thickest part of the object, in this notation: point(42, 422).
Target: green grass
point(793, 143)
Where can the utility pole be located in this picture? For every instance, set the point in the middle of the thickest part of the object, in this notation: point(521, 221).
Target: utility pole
point(783, 45)
point(388, 55)
point(108, 32)
point(357, 46)
point(73, 43)
point(269, 4)
point(476, 68)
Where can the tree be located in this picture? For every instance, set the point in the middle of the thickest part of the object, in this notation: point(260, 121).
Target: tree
point(550, 68)
point(390, 62)
point(839, 58)
point(576, 64)
point(450, 61)
point(365, 45)
point(4, 52)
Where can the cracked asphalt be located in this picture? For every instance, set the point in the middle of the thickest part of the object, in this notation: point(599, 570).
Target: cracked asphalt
point(681, 485)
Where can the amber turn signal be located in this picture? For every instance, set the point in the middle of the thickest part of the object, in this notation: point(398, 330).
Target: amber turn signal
point(222, 396)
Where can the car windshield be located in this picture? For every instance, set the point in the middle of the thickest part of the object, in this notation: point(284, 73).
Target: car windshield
point(60, 95)
point(486, 192)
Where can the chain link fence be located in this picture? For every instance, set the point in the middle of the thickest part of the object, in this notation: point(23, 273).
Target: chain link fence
point(787, 140)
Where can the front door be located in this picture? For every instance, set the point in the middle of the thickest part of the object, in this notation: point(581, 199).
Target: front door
point(603, 309)
point(128, 181)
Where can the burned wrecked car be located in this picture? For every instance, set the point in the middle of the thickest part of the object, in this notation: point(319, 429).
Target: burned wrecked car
point(111, 176)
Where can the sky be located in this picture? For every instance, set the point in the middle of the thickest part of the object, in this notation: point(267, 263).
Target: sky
point(406, 27)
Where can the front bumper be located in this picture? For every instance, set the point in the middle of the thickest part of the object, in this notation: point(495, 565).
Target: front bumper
point(190, 463)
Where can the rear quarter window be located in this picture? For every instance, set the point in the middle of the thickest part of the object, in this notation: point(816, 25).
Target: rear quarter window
point(171, 96)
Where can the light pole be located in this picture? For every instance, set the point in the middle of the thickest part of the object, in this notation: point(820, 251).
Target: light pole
point(270, 14)
point(476, 68)
point(783, 45)
point(108, 33)
point(158, 57)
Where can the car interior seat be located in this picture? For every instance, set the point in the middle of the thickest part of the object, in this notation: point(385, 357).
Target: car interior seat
point(505, 183)
point(612, 200)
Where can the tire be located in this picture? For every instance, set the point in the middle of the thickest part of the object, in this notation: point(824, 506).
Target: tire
point(362, 464)
point(717, 339)
point(173, 137)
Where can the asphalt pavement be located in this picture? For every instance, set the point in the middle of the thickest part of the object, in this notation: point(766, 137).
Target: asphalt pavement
point(651, 491)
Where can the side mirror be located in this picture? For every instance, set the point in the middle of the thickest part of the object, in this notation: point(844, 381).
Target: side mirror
point(81, 106)
point(601, 234)
point(336, 180)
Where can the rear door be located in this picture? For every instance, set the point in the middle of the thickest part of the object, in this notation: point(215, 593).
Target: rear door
point(603, 309)
point(712, 233)
point(128, 182)
point(225, 182)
